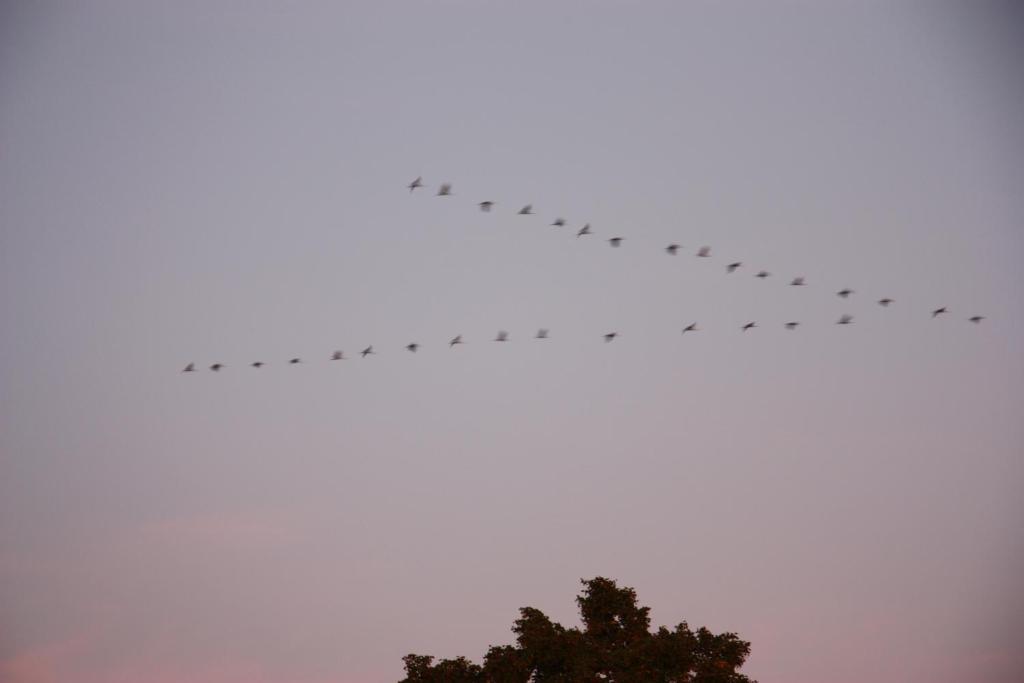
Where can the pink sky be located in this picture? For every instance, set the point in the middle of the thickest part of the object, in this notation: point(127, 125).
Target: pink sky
point(225, 182)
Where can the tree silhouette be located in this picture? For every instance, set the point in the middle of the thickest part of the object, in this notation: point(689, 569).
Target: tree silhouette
point(615, 645)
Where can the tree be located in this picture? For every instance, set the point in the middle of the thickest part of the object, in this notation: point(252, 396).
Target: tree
point(615, 645)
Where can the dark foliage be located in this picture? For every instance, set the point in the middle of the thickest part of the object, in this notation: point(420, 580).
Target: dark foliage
point(615, 645)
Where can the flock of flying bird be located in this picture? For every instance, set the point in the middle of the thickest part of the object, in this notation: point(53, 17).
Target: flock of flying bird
point(445, 190)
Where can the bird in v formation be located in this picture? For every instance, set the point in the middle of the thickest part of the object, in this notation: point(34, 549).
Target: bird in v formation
point(445, 190)
point(543, 333)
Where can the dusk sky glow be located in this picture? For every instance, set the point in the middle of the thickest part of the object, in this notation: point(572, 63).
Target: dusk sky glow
point(227, 182)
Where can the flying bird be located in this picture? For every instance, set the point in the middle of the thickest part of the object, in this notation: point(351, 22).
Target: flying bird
point(610, 336)
point(672, 249)
point(976, 319)
point(797, 282)
point(791, 325)
point(844, 293)
point(486, 206)
point(368, 351)
point(416, 183)
point(692, 327)
point(526, 210)
point(412, 347)
point(216, 367)
point(749, 326)
point(191, 367)
point(445, 190)
point(762, 274)
point(294, 361)
point(733, 266)
point(884, 302)
point(559, 222)
point(938, 311)
point(845, 320)
point(258, 364)
point(542, 334)
point(704, 252)
point(501, 336)
point(337, 355)
point(585, 230)
point(455, 340)
point(615, 241)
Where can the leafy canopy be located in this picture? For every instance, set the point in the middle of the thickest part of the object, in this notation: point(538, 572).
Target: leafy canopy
point(615, 645)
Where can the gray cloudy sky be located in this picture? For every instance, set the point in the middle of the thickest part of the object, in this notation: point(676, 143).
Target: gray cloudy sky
point(213, 181)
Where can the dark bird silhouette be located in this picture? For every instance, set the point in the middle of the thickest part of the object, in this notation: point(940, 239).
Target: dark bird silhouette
point(216, 367)
point(526, 210)
point(976, 319)
point(672, 249)
point(294, 361)
point(585, 230)
point(416, 183)
point(615, 241)
point(486, 206)
point(692, 327)
point(797, 282)
point(610, 336)
point(792, 325)
point(731, 268)
point(191, 367)
point(845, 320)
point(501, 336)
point(412, 347)
point(939, 311)
point(455, 340)
point(762, 274)
point(368, 351)
point(542, 334)
point(445, 190)
point(337, 355)
point(884, 302)
point(704, 252)
point(844, 293)
point(258, 364)
point(749, 326)
point(559, 222)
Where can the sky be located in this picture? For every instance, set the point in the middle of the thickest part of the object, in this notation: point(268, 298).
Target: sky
point(226, 182)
